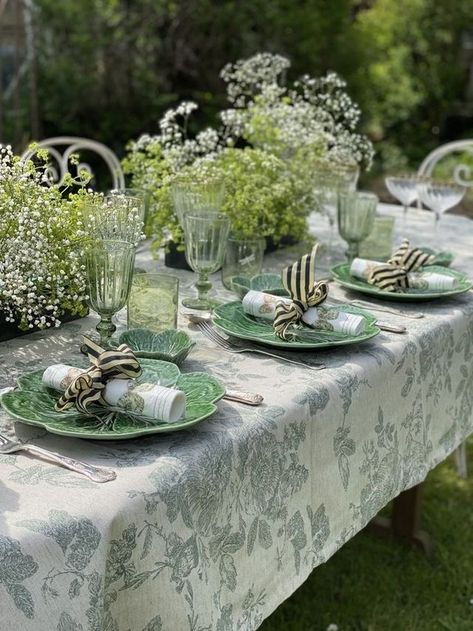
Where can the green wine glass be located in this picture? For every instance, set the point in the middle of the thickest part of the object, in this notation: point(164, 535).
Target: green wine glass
point(356, 211)
point(196, 197)
point(109, 272)
point(205, 237)
point(118, 217)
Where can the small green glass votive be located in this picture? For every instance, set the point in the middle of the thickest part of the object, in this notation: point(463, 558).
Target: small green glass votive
point(243, 257)
point(378, 246)
point(153, 302)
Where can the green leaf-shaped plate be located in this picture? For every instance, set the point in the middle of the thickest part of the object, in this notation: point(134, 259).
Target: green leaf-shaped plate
point(170, 345)
point(341, 274)
point(232, 320)
point(33, 404)
point(270, 283)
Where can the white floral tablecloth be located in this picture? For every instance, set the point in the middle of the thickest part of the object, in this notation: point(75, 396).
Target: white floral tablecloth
point(211, 529)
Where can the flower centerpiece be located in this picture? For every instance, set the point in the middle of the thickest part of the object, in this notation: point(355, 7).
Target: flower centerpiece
point(269, 145)
point(42, 278)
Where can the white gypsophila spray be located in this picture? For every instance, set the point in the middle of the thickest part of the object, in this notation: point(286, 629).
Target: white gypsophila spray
point(41, 269)
point(313, 111)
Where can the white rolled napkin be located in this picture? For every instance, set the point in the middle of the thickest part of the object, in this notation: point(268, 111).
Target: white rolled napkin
point(262, 305)
point(362, 268)
point(155, 402)
point(431, 280)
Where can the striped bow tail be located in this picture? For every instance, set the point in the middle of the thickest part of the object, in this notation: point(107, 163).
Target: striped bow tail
point(299, 281)
point(87, 388)
point(393, 275)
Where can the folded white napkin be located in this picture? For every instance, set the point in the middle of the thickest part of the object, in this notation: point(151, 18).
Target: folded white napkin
point(362, 268)
point(150, 400)
point(262, 305)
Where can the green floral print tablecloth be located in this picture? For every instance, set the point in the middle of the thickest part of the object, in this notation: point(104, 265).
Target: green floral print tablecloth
point(210, 529)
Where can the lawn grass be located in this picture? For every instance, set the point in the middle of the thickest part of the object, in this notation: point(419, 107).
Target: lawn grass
point(376, 585)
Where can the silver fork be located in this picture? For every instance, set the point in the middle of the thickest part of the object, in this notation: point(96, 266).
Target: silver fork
point(234, 347)
point(96, 474)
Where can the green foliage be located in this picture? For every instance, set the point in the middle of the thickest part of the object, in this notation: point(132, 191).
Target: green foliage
point(262, 197)
point(108, 68)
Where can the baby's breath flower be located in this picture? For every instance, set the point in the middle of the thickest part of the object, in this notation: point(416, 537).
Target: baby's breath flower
point(39, 262)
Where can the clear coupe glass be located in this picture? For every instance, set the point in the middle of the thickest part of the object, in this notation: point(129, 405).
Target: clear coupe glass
point(404, 189)
point(439, 197)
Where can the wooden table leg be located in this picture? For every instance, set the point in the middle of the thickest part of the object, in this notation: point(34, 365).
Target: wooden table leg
point(404, 522)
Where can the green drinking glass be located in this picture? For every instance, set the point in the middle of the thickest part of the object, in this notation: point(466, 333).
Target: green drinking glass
point(356, 211)
point(138, 193)
point(153, 302)
point(109, 272)
point(329, 180)
point(196, 197)
point(118, 217)
point(205, 237)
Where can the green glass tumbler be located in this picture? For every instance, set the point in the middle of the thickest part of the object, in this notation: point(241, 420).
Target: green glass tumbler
point(243, 257)
point(379, 244)
point(356, 211)
point(205, 237)
point(109, 267)
point(153, 302)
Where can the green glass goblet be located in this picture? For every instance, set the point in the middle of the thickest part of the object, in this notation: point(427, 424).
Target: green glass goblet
point(356, 211)
point(196, 197)
point(118, 217)
point(109, 272)
point(205, 236)
point(137, 193)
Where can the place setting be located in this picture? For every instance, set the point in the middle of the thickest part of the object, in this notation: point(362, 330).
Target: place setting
point(407, 273)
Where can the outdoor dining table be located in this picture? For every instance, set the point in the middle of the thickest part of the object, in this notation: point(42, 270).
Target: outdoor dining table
point(213, 527)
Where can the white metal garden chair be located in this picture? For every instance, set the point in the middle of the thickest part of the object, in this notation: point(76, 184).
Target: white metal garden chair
point(61, 159)
point(461, 174)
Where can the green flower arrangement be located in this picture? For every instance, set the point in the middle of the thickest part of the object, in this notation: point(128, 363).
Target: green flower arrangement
point(272, 142)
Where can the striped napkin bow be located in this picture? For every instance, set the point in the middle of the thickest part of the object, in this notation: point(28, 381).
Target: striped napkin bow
point(87, 388)
point(394, 274)
point(299, 281)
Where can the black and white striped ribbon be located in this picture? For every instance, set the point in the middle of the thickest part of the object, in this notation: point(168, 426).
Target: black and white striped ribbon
point(393, 275)
point(299, 280)
point(87, 388)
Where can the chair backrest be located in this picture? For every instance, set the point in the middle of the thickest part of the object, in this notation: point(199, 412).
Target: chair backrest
point(61, 164)
point(461, 173)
